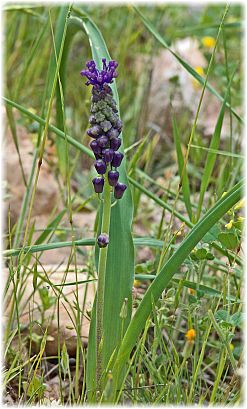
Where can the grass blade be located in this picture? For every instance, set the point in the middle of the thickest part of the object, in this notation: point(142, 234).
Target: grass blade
point(182, 170)
point(36, 248)
point(211, 157)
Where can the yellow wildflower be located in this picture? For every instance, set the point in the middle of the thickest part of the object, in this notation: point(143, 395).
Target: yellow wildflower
point(240, 219)
point(137, 283)
point(229, 225)
point(240, 204)
point(190, 335)
point(231, 347)
point(208, 42)
point(199, 71)
point(191, 291)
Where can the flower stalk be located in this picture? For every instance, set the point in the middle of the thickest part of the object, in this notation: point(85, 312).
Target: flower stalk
point(106, 217)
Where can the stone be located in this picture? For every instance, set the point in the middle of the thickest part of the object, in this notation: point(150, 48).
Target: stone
point(47, 194)
point(165, 68)
point(65, 303)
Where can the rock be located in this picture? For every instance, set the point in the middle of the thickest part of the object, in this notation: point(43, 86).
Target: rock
point(184, 98)
point(66, 306)
point(47, 194)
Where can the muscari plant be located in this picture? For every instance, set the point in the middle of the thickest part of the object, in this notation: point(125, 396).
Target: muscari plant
point(105, 130)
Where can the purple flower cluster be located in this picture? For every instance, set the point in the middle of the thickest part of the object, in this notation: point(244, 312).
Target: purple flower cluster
point(105, 126)
point(98, 78)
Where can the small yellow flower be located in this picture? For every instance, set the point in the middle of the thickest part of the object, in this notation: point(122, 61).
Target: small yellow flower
point(231, 347)
point(137, 283)
point(199, 71)
point(191, 291)
point(240, 219)
point(190, 335)
point(208, 42)
point(229, 225)
point(180, 231)
point(109, 375)
point(239, 205)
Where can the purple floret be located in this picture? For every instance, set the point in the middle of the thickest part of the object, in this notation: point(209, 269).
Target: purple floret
point(95, 147)
point(113, 133)
point(119, 190)
point(115, 143)
point(117, 159)
point(98, 184)
point(100, 166)
point(94, 131)
point(100, 77)
point(102, 141)
point(113, 176)
point(108, 155)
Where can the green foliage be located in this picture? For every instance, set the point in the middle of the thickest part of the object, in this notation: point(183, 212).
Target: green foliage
point(228, 320)
point(228, 240)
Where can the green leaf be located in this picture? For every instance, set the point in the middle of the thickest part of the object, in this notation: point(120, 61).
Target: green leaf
point(62, 20)
point(64, 359)
point(222, 315)
point(46, 299)
point(35, 387)
point(35, 276)
point(212, 235)
point(228, 240)
point(203, 289)
point(138, 241)
point(237, 319)
point(182, 168)
point(166, 274)
point(201, 254)
point(211, 156)
point(234, 320)
point(209, 256)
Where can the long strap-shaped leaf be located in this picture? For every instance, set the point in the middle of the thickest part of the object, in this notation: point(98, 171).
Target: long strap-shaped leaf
point(211, 156)
point(167, 272)
point(181, 168)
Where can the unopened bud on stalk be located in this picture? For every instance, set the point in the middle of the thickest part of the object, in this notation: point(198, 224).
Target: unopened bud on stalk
point(103, 240)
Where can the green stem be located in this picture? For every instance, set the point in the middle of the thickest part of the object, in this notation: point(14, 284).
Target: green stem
point(101, 283)
point(223, 339)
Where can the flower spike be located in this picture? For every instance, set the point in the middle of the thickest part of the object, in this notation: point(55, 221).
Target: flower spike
point(105, 126)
